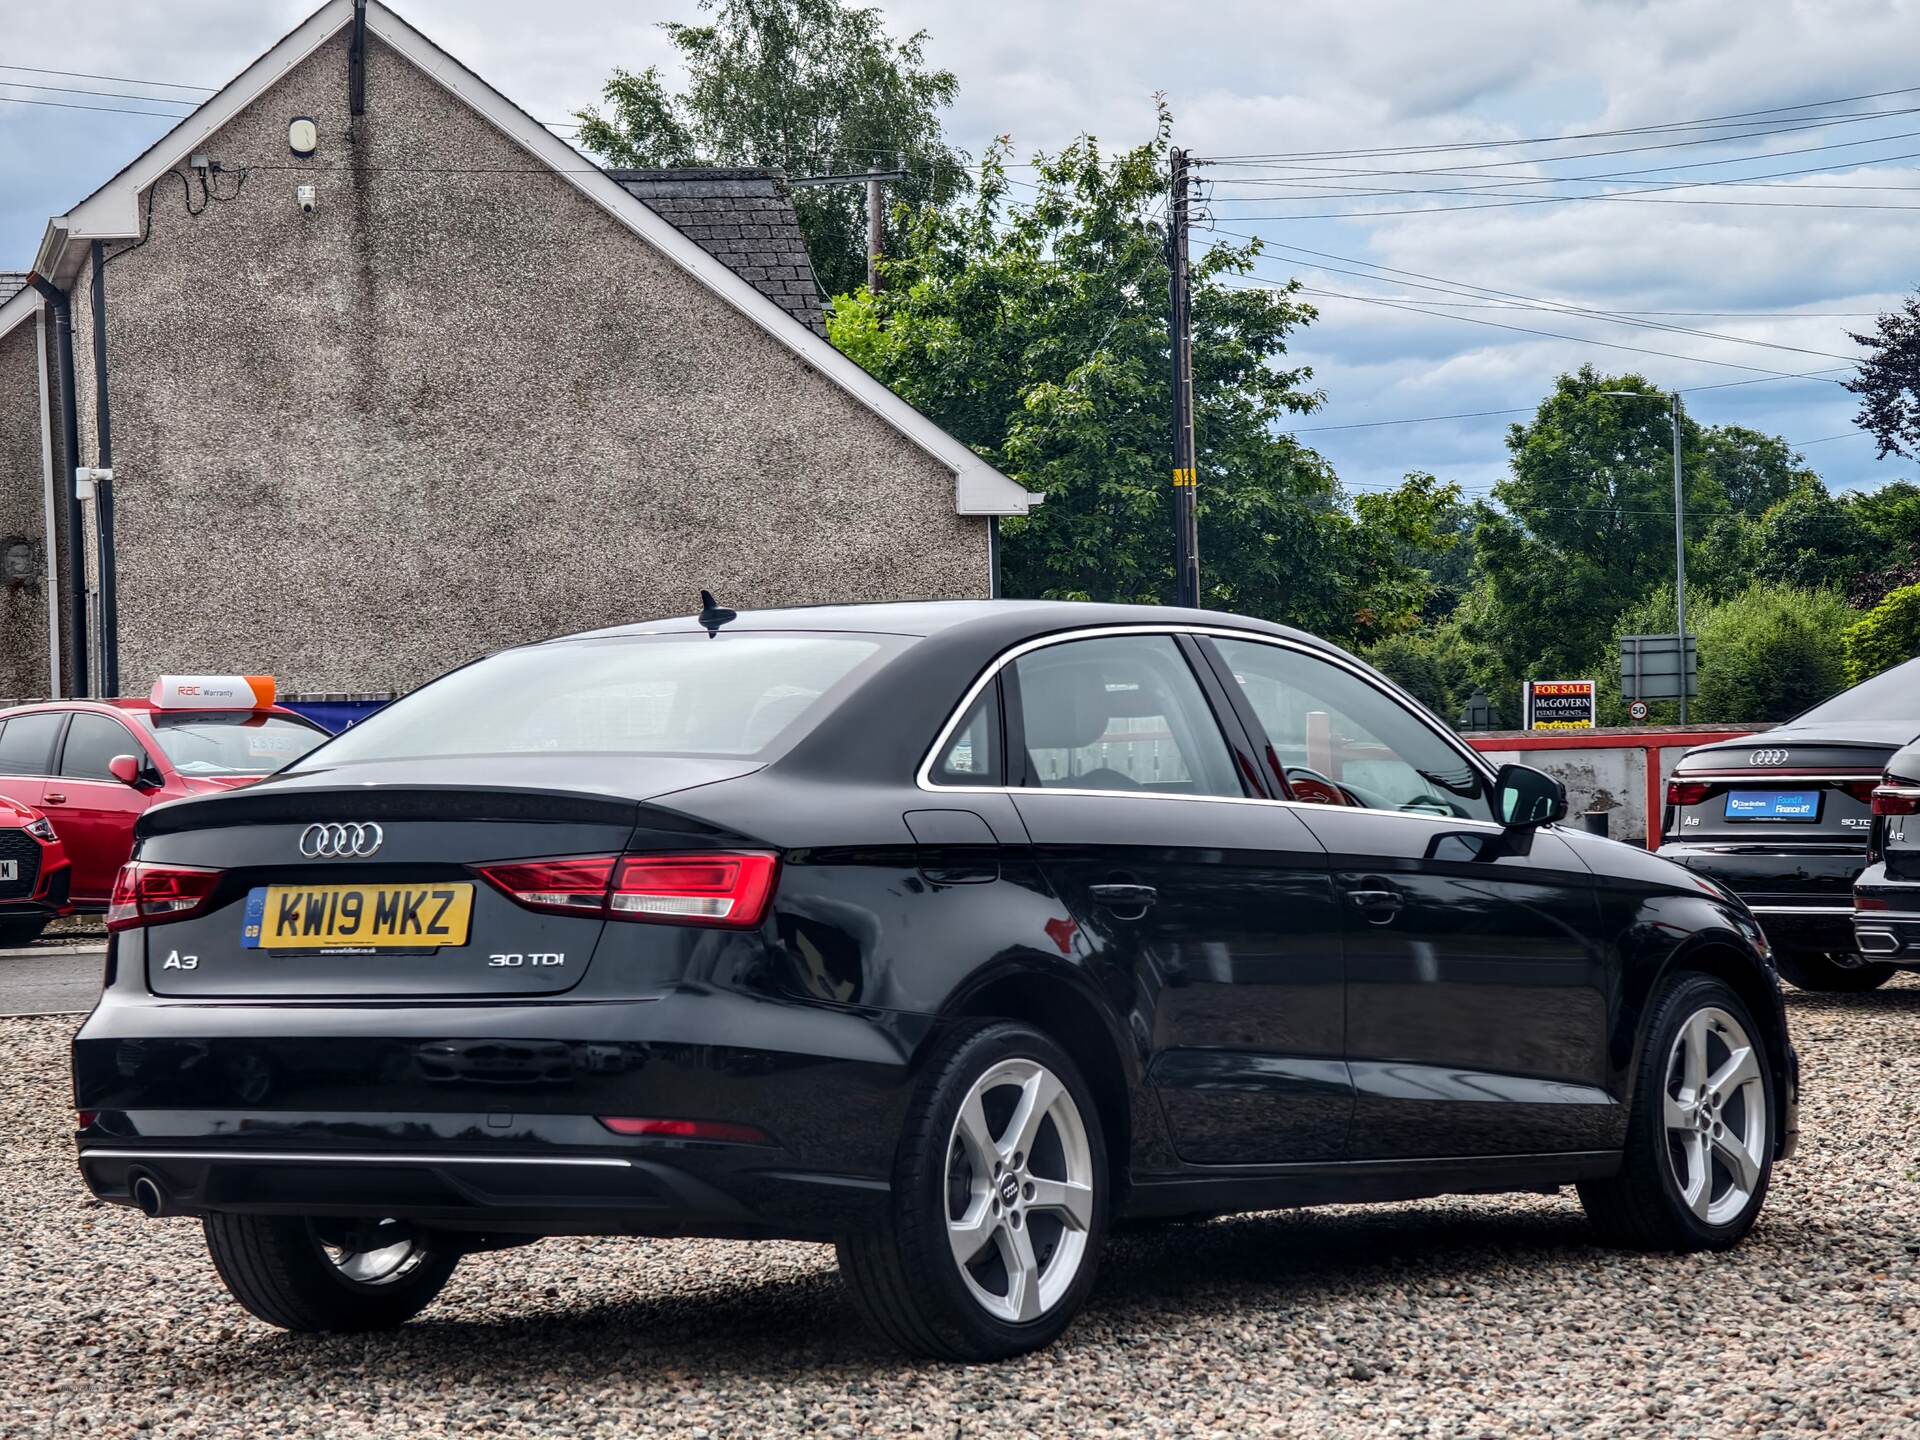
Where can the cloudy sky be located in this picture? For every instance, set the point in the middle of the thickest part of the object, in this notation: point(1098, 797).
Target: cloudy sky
point(1459, 248)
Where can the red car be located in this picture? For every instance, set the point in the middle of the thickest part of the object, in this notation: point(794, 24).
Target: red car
point(33, 873)
point(93, 767)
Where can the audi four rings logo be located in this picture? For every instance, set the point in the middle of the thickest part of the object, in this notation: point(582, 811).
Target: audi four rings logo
point(340, 841)
point(1767, 757)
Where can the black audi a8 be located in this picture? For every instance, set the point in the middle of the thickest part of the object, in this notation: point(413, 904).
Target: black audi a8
point(1782, 819)
point(948, 933)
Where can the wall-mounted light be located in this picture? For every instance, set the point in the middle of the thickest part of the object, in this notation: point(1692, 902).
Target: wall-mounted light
point(303, 136)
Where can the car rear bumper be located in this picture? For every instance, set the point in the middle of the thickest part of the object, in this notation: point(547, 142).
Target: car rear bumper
point(1886, 917)
point(486, 1117)
point(1803, 898)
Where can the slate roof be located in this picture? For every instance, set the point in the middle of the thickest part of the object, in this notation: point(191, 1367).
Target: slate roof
point(12, 282)
point(743, 218)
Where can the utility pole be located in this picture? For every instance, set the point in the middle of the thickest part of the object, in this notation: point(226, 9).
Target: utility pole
point(876, 227)
point(1679, 555)
point(873, 178)
point(1186, 522)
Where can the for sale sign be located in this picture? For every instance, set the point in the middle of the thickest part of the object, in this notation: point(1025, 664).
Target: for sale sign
point(1559, 704)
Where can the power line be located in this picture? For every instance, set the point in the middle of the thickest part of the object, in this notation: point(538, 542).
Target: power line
point(173, 115)
point(108, 94)
point(1735, 117)
point(1527, 302)
point(114, 79)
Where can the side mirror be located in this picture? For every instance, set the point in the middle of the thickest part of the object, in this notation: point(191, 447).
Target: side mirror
point(1525, 797)
point(127, 769)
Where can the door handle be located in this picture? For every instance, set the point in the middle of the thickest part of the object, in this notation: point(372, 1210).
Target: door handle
point(53, 799)
point(1119, 897)
point(1380, 906)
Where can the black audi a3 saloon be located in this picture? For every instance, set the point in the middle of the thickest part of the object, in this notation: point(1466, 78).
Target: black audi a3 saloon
point(948, 933)
point(1782, 817)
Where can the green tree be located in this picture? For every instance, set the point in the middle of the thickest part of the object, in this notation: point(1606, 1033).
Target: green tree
point(1765, 654)
point(1441, 667)
point(1809, 539)
point(1586, 523)
point(804, 86)
point(1752, 470)
point(1034, 328)
point(1884, 637)
point(1888, 382)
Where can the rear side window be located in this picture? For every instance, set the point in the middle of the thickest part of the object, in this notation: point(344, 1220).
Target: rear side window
point(93, 740)
point(26, 745)
point(972, 755)
point(1121, 713)
point(735, 695)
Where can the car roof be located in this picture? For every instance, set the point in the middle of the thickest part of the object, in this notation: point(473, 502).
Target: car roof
point(928, 618)
point(133, 705)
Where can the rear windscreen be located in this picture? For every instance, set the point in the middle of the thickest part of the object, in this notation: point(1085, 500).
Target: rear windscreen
point(734, 695)
point(1891, 695)
point(211, 746)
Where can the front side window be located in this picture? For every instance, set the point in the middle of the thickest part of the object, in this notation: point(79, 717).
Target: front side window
point(1343, 741)
point(1120, 713)
point(26, 745)
point(93, 740)
point(733, 695)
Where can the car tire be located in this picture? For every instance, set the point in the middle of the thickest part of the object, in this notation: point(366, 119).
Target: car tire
point(1020, 1199)
point(1818, 972)
point(328, 1275)
point(14, 934)
point(1700, 1133)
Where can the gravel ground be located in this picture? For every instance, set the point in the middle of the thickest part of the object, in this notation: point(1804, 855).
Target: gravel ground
point(1451, 1317)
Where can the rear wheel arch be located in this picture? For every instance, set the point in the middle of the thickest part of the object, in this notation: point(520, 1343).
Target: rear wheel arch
point(1064, 1011)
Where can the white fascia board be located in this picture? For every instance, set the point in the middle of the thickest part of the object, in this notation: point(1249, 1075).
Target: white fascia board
point(113, 211)
point(20, 309)
point(978, 488)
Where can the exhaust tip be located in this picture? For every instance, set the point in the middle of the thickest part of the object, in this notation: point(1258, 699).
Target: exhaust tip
point(148, 1196)
point(1877, 942)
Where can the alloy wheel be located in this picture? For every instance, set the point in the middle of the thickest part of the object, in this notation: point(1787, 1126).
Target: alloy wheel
point(1715, 1116)
point(1019, 1190)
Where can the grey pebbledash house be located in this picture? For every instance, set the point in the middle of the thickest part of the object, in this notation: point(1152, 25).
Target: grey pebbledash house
point(387, 375)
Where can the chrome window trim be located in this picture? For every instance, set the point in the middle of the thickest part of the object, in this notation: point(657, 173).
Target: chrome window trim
point(1686, 777)
point(322, 1157)
point(923, 778)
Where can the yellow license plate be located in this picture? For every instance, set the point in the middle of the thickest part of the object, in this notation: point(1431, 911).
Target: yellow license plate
point(358, 917)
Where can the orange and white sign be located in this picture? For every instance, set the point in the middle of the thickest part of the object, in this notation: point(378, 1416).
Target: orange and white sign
point(213, 692)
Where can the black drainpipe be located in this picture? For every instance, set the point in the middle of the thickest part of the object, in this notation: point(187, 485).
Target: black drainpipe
point(62, 308)
point(103, 490)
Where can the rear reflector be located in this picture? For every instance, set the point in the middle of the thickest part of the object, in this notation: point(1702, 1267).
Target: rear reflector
point(1896, 800)
point(686, 1130)
point(1870, 902)
point(729, 890)
point(145, 893)
point(1687, 792)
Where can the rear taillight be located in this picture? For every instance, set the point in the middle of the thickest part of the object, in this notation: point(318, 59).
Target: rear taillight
point(569, 887)
point(1687, 792)
point(1896, 800)
point(145, 893)
point(1861, 790)
point(730, 889)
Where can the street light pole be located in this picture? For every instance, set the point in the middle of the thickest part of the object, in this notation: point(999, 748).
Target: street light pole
point(1679, 555)
point(1679, 530)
